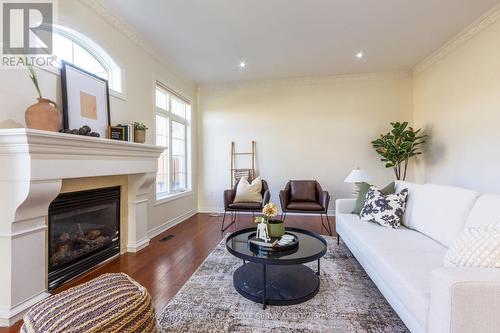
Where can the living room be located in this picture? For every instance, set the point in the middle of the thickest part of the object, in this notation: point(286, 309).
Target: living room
point(312, 166)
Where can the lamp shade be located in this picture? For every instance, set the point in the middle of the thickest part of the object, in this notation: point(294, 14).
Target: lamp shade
point(357, 176)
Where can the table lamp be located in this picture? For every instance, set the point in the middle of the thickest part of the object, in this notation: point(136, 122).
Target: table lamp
point(356, 177)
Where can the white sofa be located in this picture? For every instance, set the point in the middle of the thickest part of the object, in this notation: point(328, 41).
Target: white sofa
point(406, 264)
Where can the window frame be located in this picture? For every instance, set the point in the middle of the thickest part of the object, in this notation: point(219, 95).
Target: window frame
point(96, 52)
point(161, 197)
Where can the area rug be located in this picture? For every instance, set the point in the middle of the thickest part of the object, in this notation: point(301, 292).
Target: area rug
point(348, 301)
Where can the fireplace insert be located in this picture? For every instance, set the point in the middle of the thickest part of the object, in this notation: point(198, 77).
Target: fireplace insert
point(84, 230)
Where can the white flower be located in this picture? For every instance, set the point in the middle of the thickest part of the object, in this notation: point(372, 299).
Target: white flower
point(270, 210)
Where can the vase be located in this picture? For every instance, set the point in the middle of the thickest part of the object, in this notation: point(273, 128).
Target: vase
point(43, 115)
point(139, 136)
point(275, 228)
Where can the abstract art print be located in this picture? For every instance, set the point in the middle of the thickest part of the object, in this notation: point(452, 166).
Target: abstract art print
point(85, 99)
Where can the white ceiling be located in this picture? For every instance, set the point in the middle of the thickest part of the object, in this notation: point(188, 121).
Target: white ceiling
point(207, 39)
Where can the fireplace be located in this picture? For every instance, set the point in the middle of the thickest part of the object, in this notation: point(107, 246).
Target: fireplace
point(84, 230)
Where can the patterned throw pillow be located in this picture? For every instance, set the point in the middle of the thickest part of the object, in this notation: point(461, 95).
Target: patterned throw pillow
point(475, 247)
point(383, 209)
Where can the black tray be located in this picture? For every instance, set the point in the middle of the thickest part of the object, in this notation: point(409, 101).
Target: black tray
point(277, 248)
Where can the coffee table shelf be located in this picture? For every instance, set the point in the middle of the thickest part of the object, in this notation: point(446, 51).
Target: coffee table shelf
point(274, 278)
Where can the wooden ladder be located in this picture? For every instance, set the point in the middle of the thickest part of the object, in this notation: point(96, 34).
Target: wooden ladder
point(237, 173)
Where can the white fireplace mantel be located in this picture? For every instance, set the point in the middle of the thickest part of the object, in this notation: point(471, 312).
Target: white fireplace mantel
point(33, 165)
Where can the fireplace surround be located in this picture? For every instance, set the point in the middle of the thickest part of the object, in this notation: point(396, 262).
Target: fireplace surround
point(34, 166)
point(83, 231)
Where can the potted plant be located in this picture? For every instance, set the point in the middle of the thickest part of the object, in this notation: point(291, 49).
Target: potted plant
point(140, 132)
point(43, 115)
point(275, 228)
point(398, 146)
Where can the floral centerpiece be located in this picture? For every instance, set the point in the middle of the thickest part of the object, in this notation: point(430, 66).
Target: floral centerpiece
point(274, 228)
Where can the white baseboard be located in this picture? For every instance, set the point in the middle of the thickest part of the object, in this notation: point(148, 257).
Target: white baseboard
point(9, 316)
point(139, 245)
point(218, 210)
point(170, 223)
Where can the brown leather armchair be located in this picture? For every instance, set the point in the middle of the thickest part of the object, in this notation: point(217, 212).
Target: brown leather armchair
point(252, 207)
point(306, 197)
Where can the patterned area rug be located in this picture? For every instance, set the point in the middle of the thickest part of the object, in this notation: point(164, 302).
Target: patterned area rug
point(348, 301)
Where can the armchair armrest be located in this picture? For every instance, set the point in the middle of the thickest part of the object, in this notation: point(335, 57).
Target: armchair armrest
point(284, 199)
point(324, 200)
point(265, 197)
point(464, 300)
point(229, 196)
point(344, 206)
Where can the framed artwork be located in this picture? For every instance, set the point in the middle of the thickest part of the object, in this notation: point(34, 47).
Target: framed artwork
point(85, 98)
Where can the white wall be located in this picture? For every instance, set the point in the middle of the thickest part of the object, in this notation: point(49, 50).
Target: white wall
point(141, 69)
point(457, 101)
point(317, 128)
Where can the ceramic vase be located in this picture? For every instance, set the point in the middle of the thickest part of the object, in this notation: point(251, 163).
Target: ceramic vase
point(43, 115)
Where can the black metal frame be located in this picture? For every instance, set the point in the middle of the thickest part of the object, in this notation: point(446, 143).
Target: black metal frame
point(275, 261)
point(234, 215)
point(64, 91)
point(66, 201)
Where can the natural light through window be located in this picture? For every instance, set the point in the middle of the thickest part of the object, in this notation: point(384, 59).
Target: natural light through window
point(73, 47)
point(173, 117)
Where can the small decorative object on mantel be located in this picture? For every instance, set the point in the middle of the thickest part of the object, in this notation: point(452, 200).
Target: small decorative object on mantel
point(43, 115)
point(140, 132)
point(85, 99)
point(116, 133)
point(398, 146)
point(84, 130)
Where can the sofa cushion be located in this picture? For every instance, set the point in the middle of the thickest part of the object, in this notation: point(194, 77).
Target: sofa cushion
point(383, 209)
point(485, 211)
point(246, 192)
point(413, 192)
point(303, 190)
point(440, 211)
point(402, 258)
point(363, 190)
point(246, 205)
point(309, 206)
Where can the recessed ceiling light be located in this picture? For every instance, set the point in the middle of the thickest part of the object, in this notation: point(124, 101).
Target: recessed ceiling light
point(359, 55)
point(243, 64)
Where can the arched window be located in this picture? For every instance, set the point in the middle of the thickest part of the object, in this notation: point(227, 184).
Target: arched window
point(75, 48)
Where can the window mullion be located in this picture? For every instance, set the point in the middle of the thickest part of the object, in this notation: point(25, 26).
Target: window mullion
point(170, 159)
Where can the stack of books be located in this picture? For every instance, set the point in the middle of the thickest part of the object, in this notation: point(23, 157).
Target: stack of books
point(128, 132)
point(122, 132)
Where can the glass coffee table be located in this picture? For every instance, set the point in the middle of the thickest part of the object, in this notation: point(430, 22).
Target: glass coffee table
point(277, 278)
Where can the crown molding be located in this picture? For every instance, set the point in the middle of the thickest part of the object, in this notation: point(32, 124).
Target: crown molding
point(126, 30)
point(332, 79)
point(472, 30)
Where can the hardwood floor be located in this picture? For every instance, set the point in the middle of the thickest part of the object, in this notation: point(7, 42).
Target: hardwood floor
point(164, 266)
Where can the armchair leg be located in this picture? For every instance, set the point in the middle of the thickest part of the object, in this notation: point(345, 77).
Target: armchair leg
point(338, 239)
point(222, 229)
point(327, 227)
point(284, 217)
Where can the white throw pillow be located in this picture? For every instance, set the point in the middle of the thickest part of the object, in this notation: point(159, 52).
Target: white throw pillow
point(476, 247)
point(439, 211)
point(246, 192)
point(386, 210)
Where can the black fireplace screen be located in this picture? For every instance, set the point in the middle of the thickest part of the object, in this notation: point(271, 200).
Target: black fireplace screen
point(84, 230)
